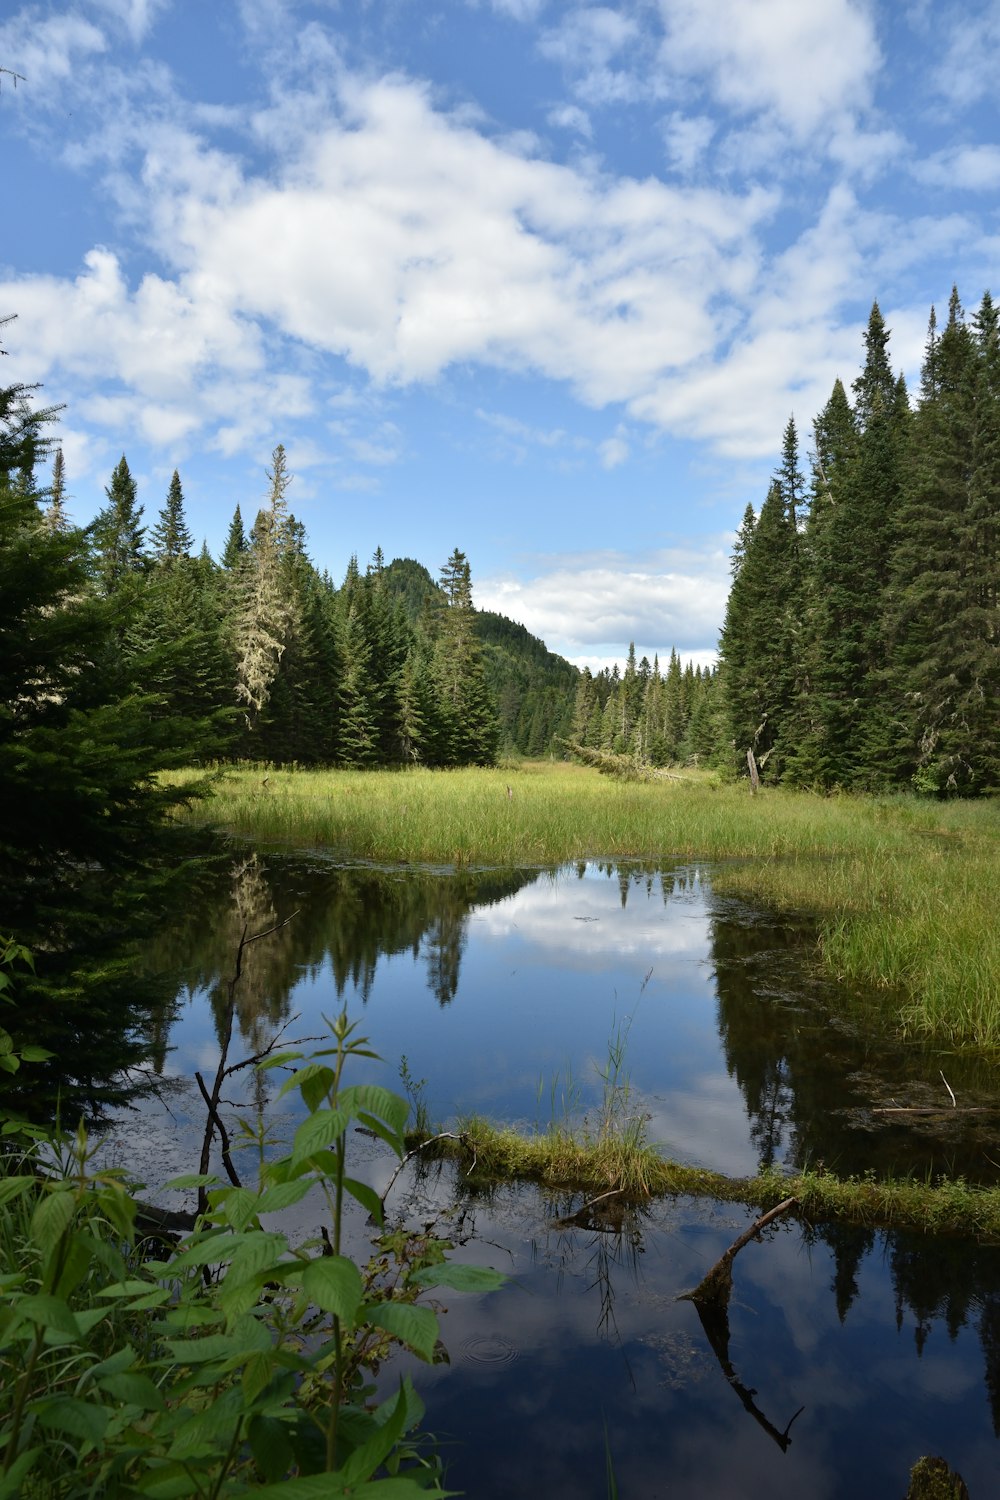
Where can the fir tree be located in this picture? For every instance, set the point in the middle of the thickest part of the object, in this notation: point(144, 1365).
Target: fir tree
point(118, 533)
point(236, 542)
point(171, 538)
point(55, 515)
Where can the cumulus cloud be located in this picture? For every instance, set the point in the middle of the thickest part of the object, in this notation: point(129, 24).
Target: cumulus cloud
point(607, 600)
point(802, 63)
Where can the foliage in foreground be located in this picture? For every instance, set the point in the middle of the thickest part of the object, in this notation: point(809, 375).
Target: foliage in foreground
point(238, 1363)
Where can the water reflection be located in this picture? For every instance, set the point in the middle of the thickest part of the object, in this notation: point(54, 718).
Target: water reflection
point(739, 1053)
point(787, 1388)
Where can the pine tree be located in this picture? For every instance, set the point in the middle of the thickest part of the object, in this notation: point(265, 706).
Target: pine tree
point(117, 532)
point(171, 538)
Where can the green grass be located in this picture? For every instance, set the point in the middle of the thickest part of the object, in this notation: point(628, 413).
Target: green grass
point(902, 890)
point(559, 1160)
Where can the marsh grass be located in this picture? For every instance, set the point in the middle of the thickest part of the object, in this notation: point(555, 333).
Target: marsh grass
point(561, 1161)
point(902, 890)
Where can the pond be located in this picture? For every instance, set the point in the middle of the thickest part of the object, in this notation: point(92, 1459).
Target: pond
point(841, 1357)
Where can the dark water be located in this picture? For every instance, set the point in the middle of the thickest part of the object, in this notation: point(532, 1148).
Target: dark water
point(502, 990)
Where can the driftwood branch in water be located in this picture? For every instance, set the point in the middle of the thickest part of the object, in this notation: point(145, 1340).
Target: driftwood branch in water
point(445, 1135)
point(711, 1300)
point(719, 1280)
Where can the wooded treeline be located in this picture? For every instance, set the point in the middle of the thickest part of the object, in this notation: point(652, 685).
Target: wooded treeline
point(860, 645)
point(276, 663)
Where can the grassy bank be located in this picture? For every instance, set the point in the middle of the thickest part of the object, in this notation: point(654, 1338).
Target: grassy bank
point(902, 890)
point(559, 1161)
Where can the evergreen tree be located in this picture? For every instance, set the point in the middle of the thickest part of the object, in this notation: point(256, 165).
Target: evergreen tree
point(171, 538)
point(469, 718)
point(117, 532)
point(236, 542)
point(262, 623)
point(55, 515)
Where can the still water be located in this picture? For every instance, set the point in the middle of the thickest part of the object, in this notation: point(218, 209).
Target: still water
point(841, 1358)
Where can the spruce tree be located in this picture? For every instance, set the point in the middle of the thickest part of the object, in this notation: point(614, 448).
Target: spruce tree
point(236, 542)
point(118, 533)
point(171, 538)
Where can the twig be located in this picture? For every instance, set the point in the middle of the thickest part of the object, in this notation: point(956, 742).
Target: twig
point(954, 1101)
point(216, 1119)
point(445, 1135)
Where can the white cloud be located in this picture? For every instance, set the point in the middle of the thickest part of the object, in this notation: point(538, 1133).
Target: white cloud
point(45, 48)
point(136, 16)
point(802, 62)
point(608, 600)
point(970, 53)
point(687, 138)
point(975, 169)
point(571, 117)
point(588, 37)
point(614, 451)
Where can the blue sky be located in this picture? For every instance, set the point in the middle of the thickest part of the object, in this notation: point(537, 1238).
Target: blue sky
point(541, 281)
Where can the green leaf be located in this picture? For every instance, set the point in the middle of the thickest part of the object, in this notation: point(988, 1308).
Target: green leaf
point(32, 1053)
point(334, 1284)
point(50, 1313)
point(283, 1195)
point(318, 1131)
point(314, 1073)
point(365, 1460)
point(192, 1179)
point(15, 1187)
point(82, 1419)
point(278, 1060)
point(416, 1327)
point(135, 1389)
point(329, 1486)
point(270, 1446)
point(10, 1483)
point(375, 1100)
point(460, 1278)
point(209, 1250)
point(51, 1219)
point(366, 1196)
point(239, 1206)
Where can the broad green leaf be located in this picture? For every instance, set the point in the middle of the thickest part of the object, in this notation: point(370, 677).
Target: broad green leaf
point(313, 1073)
point(270, 1446)
point(460, 1278)
point(256, 1374)
point(239, 1207)
point(83, 1419)
point(133, 1388)
point(318, 1131)
point(261, 1253)
point(366, 1196)
point(278, 1060)
point(364, 1461)
point(32, 1053)
point(10, 1483)
point(15, 1187)
point(192, 1179)
point(50, 1313)
point(208, 1250)
point(334, 1284)
point(51, 1219)
point(416, 1327)
point(375, 1100)
point(282, 1195)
